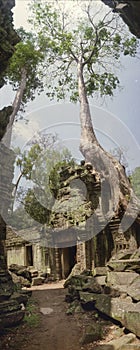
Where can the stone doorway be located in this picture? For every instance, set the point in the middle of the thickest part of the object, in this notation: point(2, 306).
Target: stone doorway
point(68, 260)
point(29, 255)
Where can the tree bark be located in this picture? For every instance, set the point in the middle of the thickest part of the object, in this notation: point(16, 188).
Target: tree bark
point(16, 106)
point(120, 197)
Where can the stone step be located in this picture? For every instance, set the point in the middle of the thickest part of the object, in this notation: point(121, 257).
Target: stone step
point(118, 343)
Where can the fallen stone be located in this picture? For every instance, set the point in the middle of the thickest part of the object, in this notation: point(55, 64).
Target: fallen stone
point(132, 319)
point(20, 281)
point(101, 280)
point(115, 291)
point(36, 281)
point(121, 278)
point(46, 310)
point(118, 343)
point(92, 333)
point(100, 271)
point(20, 270)
point(92, 286)
point(130, 347)
point(10, 313)
point(134, 289)
point(125, 339)
point(33, 272)
point(20, 298)
point(122, 310)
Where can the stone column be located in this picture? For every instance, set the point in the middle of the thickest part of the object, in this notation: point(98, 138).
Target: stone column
point(81, 256)
point(58, 264)
point(10, 309)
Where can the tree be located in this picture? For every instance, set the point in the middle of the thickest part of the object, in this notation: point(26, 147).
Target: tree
point(135, 180)
point(41, 164)
point(23, 74)
point(80, 55)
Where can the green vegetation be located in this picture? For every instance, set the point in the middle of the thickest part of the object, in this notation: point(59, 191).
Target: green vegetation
point(135, 180)
point(31, 315)
point(41, 164)
point(98, 44)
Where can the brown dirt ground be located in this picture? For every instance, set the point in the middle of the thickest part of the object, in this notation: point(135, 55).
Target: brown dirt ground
point(54, 331)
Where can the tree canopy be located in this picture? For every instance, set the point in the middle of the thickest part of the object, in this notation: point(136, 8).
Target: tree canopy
point(96, 39)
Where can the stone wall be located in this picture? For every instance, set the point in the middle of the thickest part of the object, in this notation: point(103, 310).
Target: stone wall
point(129, 10)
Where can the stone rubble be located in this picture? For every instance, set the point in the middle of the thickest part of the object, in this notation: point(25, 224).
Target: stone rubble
point(112, 293)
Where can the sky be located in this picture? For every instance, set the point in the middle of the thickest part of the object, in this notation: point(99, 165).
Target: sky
point(116, 120)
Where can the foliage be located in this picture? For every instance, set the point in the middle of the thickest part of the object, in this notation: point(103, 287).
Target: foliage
point(8, 36)
point(26, 56)
point(33, 207)
point(98, 44)
point(119, 154)
point(31, 316)
point(42, 166)
point(135, 180)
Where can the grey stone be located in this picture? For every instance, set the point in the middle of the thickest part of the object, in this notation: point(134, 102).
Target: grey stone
point(20, 281)
point(124, 311)
point(132, 319)
point(125, 339)
point(20, 270)
point(10, 313)
point(46, 310)
point(130, 347)
point(100, 280)
point(121, 278)
point(92, 286)
point(118, 343)
point(36, 281)
point(92, 333)
point(134, 289)
point(100, 271)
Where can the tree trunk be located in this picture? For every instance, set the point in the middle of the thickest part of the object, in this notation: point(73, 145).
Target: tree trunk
point(115, 186)
point(16, 106)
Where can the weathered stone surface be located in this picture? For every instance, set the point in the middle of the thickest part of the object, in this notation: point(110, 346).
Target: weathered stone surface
point(10, 313)
point(37, 281)
point(125, 265)
point(11, 319)
point(6, 285)
point(130, 347)
point(134, 289)
point(76, 280)
point(118, 344)
point(125, 261)
point(129, 10)
point(125, 339)
point(121, 278)
point(20, 270)
point(132, 319)
point(21, 298)
point(92, 333)
point(100, 271)
point(114, 291)
point(124, 311)
point(92, 286)
point(101, 280)
point(20, 281)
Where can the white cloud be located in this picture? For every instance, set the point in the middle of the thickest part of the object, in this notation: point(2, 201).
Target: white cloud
point(22, 133)
point(21, 13)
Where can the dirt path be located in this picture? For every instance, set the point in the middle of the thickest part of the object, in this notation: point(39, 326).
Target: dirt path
point(56, 330)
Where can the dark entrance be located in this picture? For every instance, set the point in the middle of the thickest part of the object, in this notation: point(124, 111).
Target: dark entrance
point(68, 260)
point(29, 255)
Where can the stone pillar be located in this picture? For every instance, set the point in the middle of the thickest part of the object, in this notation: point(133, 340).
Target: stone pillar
point(58, 264)
point(81, 256)
point(10, 309)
